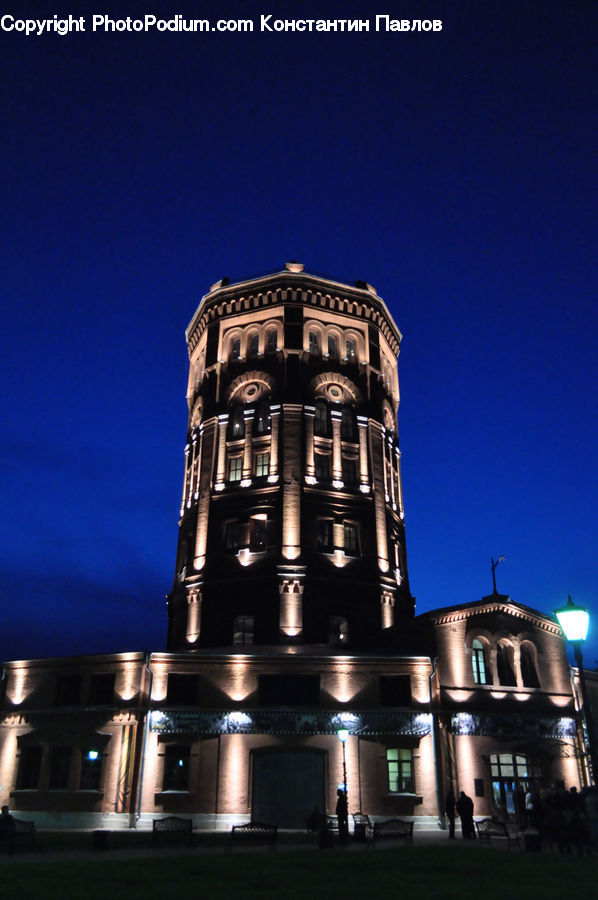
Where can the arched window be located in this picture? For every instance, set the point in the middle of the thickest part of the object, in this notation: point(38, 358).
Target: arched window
point(529, 673)
point(321, 426)
point(261, 423)
point(478, 662)
point(235, 348)
point(314, 342)
point(332, 346)
point(271, 340)
point(347, 425)
point(504, 664)
point(236, 427)
point(253, 344)
point(351, 350)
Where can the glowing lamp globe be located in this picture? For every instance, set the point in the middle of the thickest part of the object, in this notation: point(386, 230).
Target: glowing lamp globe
point(574, 621)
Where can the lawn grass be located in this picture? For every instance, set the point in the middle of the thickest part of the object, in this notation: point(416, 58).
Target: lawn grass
point(406, 872)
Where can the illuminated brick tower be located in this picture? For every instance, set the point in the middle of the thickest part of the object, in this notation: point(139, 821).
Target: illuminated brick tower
point(292, 527)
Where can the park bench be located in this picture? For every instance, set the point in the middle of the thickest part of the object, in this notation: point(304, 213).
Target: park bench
point(391, 829)
point(493, 828)
point(172, 829)
point(362, 827)
point(253, 833)
point(23, 834)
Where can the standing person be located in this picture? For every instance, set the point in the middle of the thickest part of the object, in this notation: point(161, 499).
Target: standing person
point(465, 810)
point(7, 828)
point(449, 808)
point(343, 816)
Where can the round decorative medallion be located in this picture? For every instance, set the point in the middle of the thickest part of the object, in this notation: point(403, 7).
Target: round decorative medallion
point(335, 393)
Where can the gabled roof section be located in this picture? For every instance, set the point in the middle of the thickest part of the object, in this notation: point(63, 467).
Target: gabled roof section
point(493, 603)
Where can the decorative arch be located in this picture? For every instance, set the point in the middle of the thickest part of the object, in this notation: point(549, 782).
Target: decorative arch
point(335, 388)
point(249, 387)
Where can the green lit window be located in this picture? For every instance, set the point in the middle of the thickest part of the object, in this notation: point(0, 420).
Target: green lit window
point(478, 662)
point(235, 468)
point(400, 770)
point(262, 465)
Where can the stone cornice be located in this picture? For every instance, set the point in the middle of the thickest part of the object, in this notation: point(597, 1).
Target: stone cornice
point(445, 617)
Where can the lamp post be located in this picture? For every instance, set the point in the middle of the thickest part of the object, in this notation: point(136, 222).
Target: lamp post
point(343, 809)
point(574, 621)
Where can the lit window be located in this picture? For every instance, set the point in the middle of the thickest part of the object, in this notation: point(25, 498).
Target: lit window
point(510, 773)
point(400, 771)
point(235, 468)
point(262, 465)
point(338, 632)
point(351, 350)
point(324, 535)
point(243, 630)
point(314, 342)
point(231, 541)
point(253, 345)
point(322, 462)
point(332, 346)
point(235, 349)
point(321, 419)
point(478, 662)
point(176, 768)
point(351, 539)
point(91, 769)
point(271, 340)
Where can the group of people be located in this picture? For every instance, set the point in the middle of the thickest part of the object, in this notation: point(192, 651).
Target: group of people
point(463, 807)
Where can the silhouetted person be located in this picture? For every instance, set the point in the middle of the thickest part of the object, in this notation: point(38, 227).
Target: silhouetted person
point(465, 810)
point(7, 828)
point(343, 816)
point(449, 808)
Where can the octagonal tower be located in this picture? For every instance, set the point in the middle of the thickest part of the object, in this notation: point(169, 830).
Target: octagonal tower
point(292, 526)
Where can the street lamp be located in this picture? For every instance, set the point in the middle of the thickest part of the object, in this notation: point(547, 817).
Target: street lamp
point(574, 621)
point(343, 826)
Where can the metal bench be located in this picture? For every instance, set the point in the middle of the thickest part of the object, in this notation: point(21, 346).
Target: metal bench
point(393, 829)
point(493, 828)
point(362, 827)
point(253, 833)
point(172, 828)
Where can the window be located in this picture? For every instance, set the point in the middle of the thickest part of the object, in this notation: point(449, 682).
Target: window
point(271, 340)
point(101, 689)
point(59, 768)
point(504, 664)
point(231, 540)
point(262, 465)
point(289, 690)
point(68, 690)
point(349, 471)
point(243, 630)
point(176, 768)
point(400, 771)
point(395, 690)
point(351, 539)
point(235, 349)
point(338, 630)
point(253, 345)
point(529, 673)
point(332, 346)
point(324, 535)
point(510, 772)
point(314, 342)
point(182, 689)
point(478, 662)
point(257, 534)
point(235, 468)
point(237, 424)
point(29, 768)
point(347, 425)
point(91, 769)
point(321, 419)
point(322, 463)
point(351, 350)
point(262, 419)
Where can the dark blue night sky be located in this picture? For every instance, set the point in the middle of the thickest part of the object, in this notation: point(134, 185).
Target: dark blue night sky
point(455, 171)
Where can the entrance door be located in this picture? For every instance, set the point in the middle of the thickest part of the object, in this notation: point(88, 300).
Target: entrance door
point(287, 786)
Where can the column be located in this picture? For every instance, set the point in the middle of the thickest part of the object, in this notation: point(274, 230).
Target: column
point(310, 469)
point(274, 421)
point(291, 606)
point(247, 448)
point(387, 610)
point(221, 467)
point(378, 461)
point(206, 461)
point(337, 458)
point(399, 484)
point(194, 600)
point(186, 482)
point(364, 484)
point(392, 472)
point(291, 493)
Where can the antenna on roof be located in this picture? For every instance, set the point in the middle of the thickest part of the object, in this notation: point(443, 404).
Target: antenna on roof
point(493, 565)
